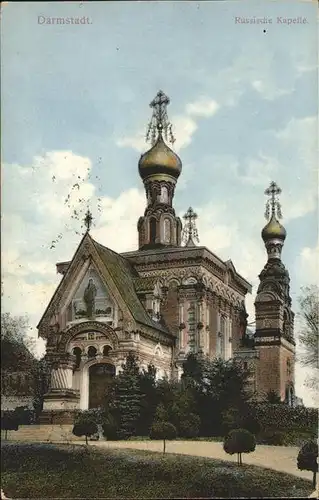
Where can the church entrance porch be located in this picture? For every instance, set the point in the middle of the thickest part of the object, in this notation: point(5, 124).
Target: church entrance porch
point(100, 379)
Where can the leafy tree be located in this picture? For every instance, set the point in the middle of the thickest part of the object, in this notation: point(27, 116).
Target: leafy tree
point(163, 430)
point(127, 397)
point(9, 422)
point(309, 334)
point(307, 459)
point(16, 347)
point(239, 441)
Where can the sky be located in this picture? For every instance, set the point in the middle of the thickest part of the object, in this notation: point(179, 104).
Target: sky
point(75, 108)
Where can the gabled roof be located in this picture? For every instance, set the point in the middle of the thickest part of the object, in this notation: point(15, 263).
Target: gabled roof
point(122, 273)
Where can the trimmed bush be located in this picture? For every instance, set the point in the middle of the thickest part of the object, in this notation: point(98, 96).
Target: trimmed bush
point(9, 422)
point(283, 417)
point(85, 428)
point(24, 415)
point(307, 459)
point(163, 430)
point(239, 441)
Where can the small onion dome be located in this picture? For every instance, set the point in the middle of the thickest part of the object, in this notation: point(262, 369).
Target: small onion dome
point(159, 160)
point(273, 230)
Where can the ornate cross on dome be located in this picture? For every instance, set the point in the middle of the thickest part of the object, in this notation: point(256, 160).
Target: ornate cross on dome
point(190, 232)
point(159, 122)
point(273, 206)
point(88, 220)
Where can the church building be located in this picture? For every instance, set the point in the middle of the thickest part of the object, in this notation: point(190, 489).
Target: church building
point(165, 299)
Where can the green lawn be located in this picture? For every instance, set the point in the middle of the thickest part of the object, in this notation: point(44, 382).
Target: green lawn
point(66, 471)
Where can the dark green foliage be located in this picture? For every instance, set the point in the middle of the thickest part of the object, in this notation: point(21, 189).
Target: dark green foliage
point(193, 370)
point(239, 441)
point(24, 415)
point(9, 422)
point(249, 421)
point(161, 414)
point(163, 430)
point(189, 427)
point(85, 428)
point(127, 398)
point(216, 386)
point(149, 400)
point(272, 437)
point(272, 397)
point(120, 474)
point(110, 428)
point(283, 417)
point(308, 459)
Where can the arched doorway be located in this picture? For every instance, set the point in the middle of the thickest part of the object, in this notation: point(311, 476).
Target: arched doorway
point(100, 376)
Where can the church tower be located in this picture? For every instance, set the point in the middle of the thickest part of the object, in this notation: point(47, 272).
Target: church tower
point(274, 338)
point(159, 169)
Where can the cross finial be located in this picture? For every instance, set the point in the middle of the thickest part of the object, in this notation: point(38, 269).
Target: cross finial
point(159, 122)
point(273, 206)
point(190, 232)
point(88, 220)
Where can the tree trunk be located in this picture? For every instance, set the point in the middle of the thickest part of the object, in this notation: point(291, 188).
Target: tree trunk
point(238, 462)
point(86, 440)
point(240, 459)
point(6, 434)
point(314, 479)
point(164, 446)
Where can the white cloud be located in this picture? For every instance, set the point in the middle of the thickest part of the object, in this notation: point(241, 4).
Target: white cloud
point(307, 265)
point(203, 107)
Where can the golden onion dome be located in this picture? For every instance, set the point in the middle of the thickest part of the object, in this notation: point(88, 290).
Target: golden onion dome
point(273, 230)
point(159, 161)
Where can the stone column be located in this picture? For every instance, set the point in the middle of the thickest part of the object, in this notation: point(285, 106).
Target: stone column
point(182, 326)
point(61, 396)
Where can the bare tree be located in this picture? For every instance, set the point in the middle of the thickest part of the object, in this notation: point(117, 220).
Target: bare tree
point(309, 334)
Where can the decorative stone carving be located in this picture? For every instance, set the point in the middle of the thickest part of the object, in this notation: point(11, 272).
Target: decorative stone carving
point(93, 326)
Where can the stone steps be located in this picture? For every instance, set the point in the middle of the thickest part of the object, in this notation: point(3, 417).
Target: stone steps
point(42, 433)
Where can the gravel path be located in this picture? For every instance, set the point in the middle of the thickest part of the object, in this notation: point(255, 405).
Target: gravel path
point(280, 458)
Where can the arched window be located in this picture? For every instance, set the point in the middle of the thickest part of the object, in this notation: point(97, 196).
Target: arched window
point(167, 231)
point(152, 230)
point(77, 352)
point(106, 350)
point(92, 352)
point(164, 195)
